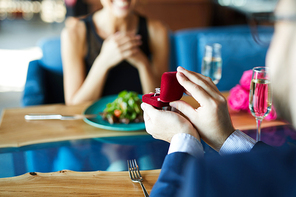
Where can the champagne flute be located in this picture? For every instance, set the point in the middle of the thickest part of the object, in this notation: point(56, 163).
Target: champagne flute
point(260, 98)
point(212, 62)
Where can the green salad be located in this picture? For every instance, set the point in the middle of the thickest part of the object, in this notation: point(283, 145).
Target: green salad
point(124, 109)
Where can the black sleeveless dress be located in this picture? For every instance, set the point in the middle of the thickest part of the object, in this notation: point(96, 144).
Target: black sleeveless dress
point(123, 76)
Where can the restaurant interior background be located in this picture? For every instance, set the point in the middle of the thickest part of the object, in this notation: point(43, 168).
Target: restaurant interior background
point(24, 22)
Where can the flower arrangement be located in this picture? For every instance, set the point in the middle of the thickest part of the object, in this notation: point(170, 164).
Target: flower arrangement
point(238, 99)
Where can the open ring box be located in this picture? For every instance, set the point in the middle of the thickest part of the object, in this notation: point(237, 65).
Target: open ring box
point(170, 90)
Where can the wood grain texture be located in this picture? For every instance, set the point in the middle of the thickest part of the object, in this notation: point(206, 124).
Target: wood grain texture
point(179, 15)
point(15, 131)
point(70, 183)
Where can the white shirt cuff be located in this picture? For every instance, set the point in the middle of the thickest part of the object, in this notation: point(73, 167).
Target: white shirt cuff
point(183, 142)
point(237, 142)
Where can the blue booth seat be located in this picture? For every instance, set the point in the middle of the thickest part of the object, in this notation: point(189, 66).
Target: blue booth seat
point(44, 83)
point(240, 52)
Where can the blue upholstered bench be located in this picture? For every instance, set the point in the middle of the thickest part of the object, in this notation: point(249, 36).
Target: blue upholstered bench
point(239, 50)
point(44, 84)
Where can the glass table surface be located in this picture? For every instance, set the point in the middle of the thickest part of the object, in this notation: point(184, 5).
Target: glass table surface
point(108, 154)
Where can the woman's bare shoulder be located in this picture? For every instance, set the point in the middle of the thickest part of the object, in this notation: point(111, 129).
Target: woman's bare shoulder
point(74, 30)
point(158, 36)
point(73, 39)
point(157, 28)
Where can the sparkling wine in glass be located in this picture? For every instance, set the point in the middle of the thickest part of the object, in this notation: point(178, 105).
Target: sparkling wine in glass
point(260, 98)
point(212, 62)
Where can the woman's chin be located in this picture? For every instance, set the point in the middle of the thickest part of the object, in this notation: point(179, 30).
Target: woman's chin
point(121, 12)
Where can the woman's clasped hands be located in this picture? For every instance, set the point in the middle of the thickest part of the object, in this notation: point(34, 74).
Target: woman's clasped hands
point(210, 122)
point(121, 46)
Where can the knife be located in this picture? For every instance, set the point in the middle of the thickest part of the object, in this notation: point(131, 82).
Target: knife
point(58, 116)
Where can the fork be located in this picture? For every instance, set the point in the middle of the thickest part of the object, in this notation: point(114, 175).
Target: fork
point(135, 174)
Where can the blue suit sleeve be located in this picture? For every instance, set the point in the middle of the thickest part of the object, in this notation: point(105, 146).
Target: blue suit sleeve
point(265, 171)
point(261, 146)
point(172, 175)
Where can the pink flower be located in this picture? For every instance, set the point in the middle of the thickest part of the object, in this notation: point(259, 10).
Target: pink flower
point(239, 95)
point(272, 115)
point(238, 98)
point(246, 79)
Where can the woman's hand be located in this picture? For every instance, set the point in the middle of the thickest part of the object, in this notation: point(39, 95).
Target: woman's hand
point(211, 119)
point(118, 47)
point(138, 59)
point(165, 124)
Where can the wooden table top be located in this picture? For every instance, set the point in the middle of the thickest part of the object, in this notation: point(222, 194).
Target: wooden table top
point(16, 132)
point(70, 183)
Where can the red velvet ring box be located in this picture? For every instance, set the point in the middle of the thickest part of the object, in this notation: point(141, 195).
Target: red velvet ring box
point(170, 90)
